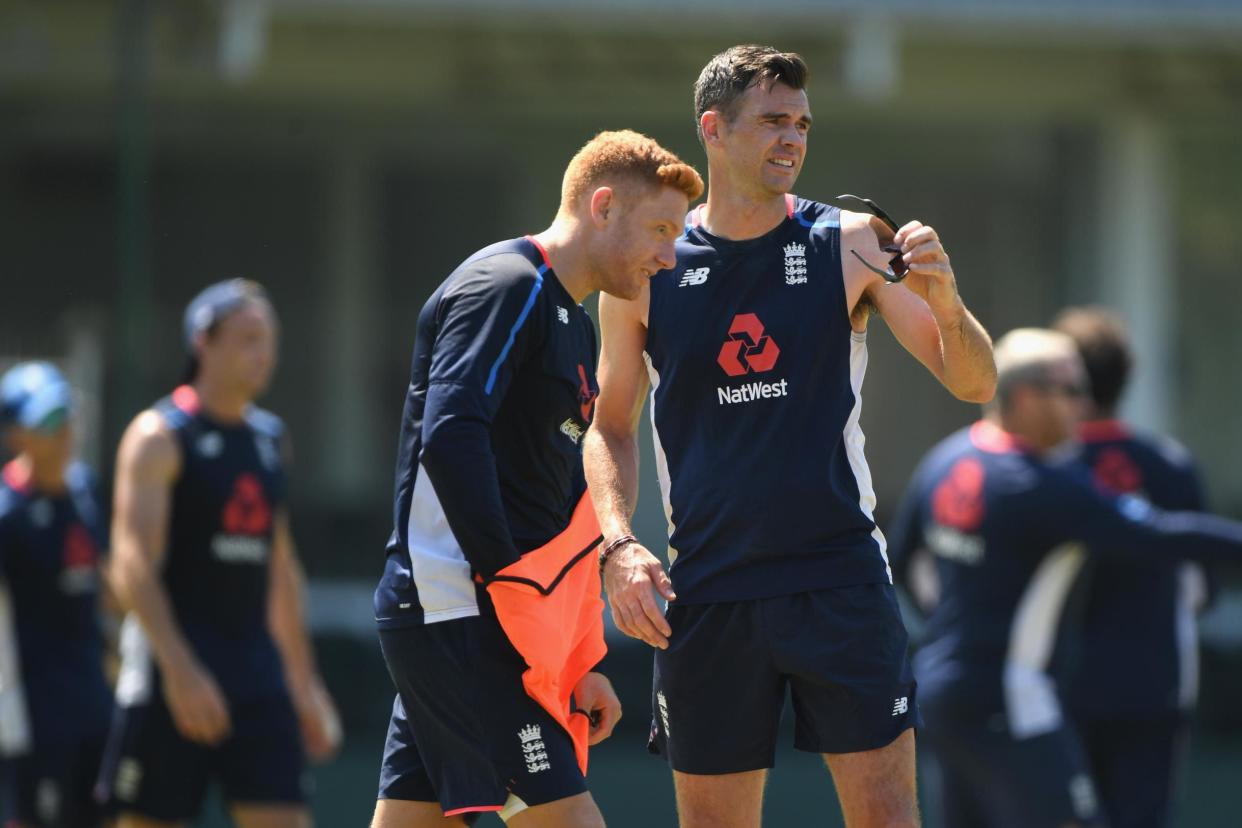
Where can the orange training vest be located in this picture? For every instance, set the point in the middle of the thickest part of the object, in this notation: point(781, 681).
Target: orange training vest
point(549, 605)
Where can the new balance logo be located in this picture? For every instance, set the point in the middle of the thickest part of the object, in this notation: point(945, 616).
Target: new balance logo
point(694, 276)
point(534, 751)
point(562, 314)
point(210, 444)
point(901, 706)
point(663, 705)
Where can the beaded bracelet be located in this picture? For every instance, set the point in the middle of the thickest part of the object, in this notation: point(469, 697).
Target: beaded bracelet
point(616, 544)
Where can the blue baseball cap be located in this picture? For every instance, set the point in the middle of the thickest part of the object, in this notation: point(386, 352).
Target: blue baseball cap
point(35, 395)
point(214, 303)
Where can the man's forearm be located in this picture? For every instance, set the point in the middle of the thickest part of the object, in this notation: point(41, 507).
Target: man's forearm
point(969, 367)
point(288, 625)
point(140, 591)
point(611, 464)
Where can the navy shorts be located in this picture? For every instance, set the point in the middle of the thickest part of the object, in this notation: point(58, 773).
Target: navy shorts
point(53, 786)
point(719, 688)
point(464, 732)
point(150, 769)
point(982, 776)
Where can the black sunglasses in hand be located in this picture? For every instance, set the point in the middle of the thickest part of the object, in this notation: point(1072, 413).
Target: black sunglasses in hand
point(897, 267)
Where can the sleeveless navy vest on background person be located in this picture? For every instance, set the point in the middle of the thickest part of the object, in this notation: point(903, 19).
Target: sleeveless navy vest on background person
point(217, 562)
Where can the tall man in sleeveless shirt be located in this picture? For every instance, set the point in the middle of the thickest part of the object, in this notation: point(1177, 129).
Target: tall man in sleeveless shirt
point(218, 680)
point(755, 348)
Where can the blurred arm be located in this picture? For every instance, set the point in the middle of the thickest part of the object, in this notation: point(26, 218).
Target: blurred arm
point(321, 730)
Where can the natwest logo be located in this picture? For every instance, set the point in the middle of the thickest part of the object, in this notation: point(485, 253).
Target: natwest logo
point(749, 351)
point(748, 348)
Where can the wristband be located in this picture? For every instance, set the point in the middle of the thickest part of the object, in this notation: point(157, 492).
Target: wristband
point(607, 551)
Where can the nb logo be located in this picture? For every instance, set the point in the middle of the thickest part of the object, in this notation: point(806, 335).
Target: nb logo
point(694, 276)
point(748, 347)
point(562, 314)
point(901, 705)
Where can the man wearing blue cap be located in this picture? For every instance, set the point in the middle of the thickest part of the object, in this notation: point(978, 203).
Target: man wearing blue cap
point(54, 698)
point(218, 679)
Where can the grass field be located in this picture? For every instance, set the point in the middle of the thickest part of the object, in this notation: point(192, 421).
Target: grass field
point(634, 789)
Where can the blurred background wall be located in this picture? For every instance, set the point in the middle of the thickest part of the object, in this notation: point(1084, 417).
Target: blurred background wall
point(349, 153)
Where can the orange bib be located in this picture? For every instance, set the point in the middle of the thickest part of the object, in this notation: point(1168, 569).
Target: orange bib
point(549, 605)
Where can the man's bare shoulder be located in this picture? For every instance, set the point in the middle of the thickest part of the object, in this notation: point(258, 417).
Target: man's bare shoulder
point(148, 445)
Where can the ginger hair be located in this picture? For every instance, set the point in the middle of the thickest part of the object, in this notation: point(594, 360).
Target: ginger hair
point(626, 157)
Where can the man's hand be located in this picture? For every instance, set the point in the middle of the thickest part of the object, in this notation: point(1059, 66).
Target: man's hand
point(632, 576)
point(594, 694)
point(931, 275)
point(197, 704)
point(320, 724)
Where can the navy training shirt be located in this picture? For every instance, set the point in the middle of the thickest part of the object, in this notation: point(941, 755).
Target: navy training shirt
point(50, 549)
point(1010, 533)
point(756, 388)
point(216, 566)
point(1139, 634)
point(489, 461)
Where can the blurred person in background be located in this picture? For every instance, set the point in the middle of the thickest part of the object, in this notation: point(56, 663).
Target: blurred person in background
point(489, 569)
point(754, 347)
point(55, 702)
point(218, 679)
point(1133, 693)
point(1011, 519)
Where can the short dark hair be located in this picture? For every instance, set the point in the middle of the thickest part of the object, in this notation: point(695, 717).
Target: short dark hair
point(1102, 341)
point(728, 75)
point(242, 292)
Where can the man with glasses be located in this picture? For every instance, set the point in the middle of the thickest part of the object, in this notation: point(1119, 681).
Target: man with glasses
point(1009, 518)
point(755, 348)
point(54, 699)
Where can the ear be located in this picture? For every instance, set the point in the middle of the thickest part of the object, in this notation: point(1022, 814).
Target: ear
point(710, 122)
point(199, 343)
point(602, 206)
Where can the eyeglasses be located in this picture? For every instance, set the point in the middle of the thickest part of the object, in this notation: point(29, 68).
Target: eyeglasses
point(883, 225)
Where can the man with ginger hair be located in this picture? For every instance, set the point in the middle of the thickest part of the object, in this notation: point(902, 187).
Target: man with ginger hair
point(754, 347)
point(493, 526)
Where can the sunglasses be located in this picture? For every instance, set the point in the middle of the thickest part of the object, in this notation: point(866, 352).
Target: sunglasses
point(884, 226)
